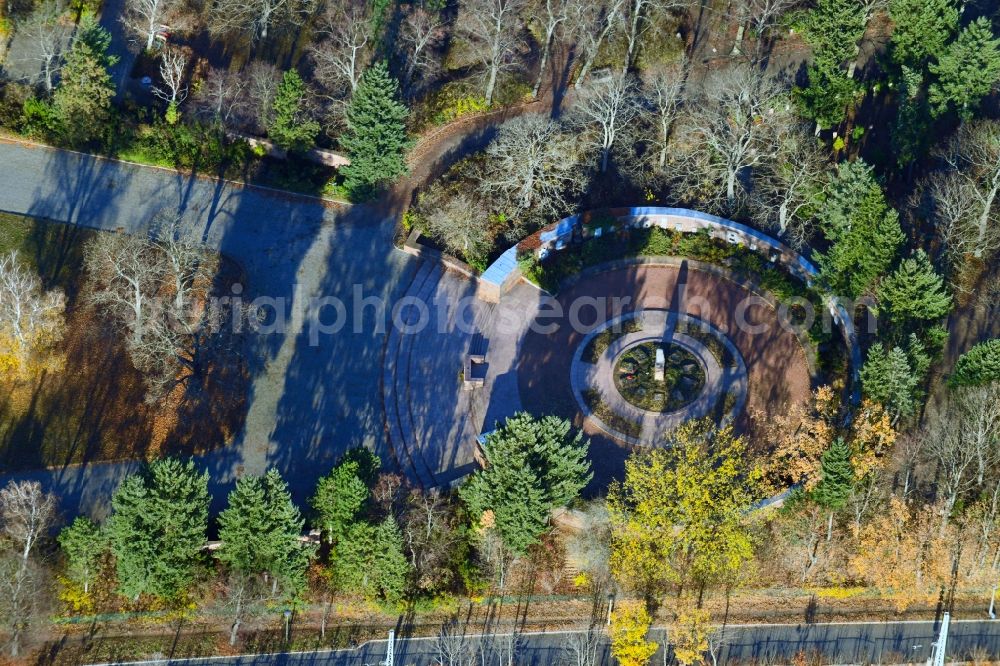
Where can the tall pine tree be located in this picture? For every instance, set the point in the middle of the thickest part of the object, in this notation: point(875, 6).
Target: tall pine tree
point(260, 532)
point(913, 293)
point(376, 133)
point(836, 480)
point(863, 231)
point(966, 71)
point(83, 544)
point(532, 466)
point(339, 498)
point(921, 28)
point(291, 127)
point(157, 528)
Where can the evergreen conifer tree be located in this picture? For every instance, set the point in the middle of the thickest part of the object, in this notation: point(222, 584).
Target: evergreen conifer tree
point(158, 528)
point(376, 133)
point(966, 71)
point(83, 544)
point(532, 466)
point(260, 531)
point(338, 500)
point(291, 127)
point(863, 231)
point(836, 480)
point(914, 292)
point(921, 29)
point(980, 365)
point(888, 379)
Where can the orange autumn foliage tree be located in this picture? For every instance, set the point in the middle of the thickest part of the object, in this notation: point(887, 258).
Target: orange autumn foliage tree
point(903, 553)
point(792, 444)
point(871, 438)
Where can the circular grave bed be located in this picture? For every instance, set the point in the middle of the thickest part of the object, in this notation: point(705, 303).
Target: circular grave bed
point(635, 377)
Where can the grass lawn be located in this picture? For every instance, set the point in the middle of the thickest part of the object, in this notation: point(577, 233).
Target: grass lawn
point(94, 408)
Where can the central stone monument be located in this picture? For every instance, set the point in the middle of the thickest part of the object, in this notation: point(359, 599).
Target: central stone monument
point(660, 364)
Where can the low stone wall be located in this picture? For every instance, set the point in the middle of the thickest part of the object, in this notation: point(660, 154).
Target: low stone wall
point(416, 248)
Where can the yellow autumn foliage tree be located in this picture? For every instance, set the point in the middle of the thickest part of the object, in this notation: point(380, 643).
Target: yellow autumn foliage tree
point(31, 322)
point(678, 518)
point(793, 443)
point(903, 553)
point(871, 438)
point(689, 635)
point(629, 626)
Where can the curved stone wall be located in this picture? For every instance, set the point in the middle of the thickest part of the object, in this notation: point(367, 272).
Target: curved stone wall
point(504, 272)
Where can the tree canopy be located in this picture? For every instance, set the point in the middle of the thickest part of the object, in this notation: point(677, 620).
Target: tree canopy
point(260, 531)
point(863, 231)
point(532, 466)
point(966, 70)
point(836, 476)
point(291, 127)
point(921, 29)
point(914, 292)
point(678, 517)
point(376, 133)
point(338, 500)
point(158, 528)
point(980, 365)
point(888, 378)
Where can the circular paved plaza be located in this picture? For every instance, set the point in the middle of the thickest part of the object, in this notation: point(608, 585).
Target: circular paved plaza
point(767, 369)
point(634, 405)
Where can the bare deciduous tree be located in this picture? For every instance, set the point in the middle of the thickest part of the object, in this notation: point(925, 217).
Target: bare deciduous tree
point(430, 534)
point(532, 165)
point(636, 17)
point(125, 273)
point(458, 221)
point(173, 62)
point(243, 593)
point(761, 16)
point(156, 290)
point(28, 314)
point(590, 548)
point(453, 647)
point(590, 23)
point(26, 513)
point(787, 188)
point(422, 31)
point(145, 18)
point(48, 40)
point(553, 14)
point(262, 84)
point(341, 57)
point(662, 89)
point(732, 129)
point(256, 17)
point(965, 194)
point(223, 96)
point(491, 27)
point(964, 442)
point(606, 108)
point(582, 648)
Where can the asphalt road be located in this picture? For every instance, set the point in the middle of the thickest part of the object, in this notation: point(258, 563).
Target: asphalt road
point(310, 399)
point(892, 643)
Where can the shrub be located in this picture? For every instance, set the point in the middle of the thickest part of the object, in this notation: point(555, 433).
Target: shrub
point(39, 119)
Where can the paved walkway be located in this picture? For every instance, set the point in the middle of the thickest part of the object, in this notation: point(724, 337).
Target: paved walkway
point(657, 326)
point(307, 403)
